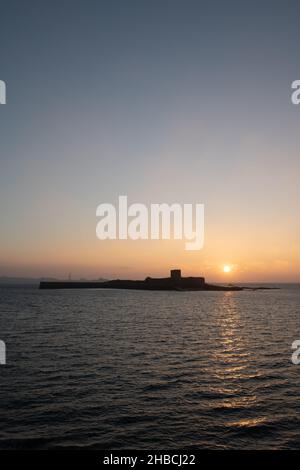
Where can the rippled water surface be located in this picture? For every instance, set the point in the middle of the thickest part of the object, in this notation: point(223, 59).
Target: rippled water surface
point(120, 369)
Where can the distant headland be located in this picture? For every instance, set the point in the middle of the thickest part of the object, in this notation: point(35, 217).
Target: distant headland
point(174, 283)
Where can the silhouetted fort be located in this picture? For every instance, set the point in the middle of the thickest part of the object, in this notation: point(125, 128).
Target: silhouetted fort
point(174, 282)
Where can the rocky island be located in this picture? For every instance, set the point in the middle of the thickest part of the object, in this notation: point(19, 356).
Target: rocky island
point(175, 283)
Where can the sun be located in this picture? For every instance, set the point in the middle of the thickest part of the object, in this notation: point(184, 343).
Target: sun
point(227, 268)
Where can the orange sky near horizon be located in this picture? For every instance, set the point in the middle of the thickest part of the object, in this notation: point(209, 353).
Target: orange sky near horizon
point(249, 261)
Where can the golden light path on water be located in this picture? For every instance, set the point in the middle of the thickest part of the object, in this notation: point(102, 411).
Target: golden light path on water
point(232, 363)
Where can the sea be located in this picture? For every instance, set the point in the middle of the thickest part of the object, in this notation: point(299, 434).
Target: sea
point(124, 369)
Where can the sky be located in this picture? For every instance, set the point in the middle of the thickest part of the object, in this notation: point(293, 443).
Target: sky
point(162, 101)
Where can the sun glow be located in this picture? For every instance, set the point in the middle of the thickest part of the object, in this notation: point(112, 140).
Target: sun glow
point(227, 268)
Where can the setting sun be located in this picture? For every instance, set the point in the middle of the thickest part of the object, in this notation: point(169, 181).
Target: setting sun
point(227, 268)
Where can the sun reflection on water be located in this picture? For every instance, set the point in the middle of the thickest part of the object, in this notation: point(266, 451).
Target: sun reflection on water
point(232, 365)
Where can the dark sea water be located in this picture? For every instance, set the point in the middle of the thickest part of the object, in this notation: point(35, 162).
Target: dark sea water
point(113, 369)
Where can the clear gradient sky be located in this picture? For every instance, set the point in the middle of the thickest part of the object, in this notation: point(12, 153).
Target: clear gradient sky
point(164, 101)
